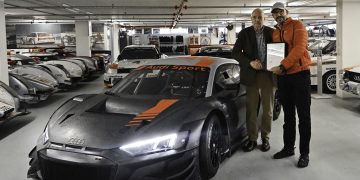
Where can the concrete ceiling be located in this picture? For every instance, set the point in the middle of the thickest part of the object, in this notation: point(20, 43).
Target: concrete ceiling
point(165, 13)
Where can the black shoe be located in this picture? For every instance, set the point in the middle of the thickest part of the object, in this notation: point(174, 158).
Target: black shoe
point(303, 161)
point(250, 145)
point(285, 152)
point(265, 146)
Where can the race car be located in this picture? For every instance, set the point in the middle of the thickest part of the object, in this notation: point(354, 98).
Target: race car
point(130, 58)
point(350, 80)
point(173, 119)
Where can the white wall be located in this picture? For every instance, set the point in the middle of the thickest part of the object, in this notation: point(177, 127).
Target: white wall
point(348, 37)
point(4, 76)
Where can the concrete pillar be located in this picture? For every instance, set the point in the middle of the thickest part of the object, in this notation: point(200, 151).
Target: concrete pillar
point(347, 37)
point(4, 76)
point(83, 32)
point(231, 35)
point(106, 39)
point(114, 42)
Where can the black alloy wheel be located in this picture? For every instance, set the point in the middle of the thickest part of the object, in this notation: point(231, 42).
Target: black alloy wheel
point(210, 147)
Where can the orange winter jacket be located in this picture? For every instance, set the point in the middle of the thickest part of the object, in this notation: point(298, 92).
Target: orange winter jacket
point(293, 32)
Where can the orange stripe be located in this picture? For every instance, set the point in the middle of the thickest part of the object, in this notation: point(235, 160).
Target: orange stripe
point(161, 106)
point(205, 62)
point(139, 121)
point(157, 109)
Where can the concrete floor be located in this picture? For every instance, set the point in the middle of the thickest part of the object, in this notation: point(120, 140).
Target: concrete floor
point(335, 143)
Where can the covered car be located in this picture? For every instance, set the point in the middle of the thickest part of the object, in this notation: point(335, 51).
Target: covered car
point(29, 89)
point(131, 57)
point(350, 80)
point(9, 104)
point(75, 71)
point(174, 119)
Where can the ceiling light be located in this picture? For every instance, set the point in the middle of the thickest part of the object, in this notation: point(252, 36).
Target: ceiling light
point(65, 5)
point(332, 14)
point(296, 3)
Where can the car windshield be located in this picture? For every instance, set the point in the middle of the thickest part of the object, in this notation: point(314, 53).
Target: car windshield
point(139, 53)
point(165, 80)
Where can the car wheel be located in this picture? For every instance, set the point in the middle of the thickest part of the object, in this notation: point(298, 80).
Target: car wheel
point(277, 106)
point(32, 41)
point(329, 82)
point(210, 147)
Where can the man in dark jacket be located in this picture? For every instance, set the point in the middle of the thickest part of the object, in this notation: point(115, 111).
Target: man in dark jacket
point(250, 51)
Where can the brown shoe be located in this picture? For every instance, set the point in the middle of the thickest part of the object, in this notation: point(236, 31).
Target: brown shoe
point(249, 146)
point(265, 146)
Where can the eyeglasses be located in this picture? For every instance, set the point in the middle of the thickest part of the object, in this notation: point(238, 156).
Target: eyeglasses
point(276, 11)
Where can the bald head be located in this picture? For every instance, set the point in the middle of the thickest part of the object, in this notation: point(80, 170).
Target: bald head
point(257, 18)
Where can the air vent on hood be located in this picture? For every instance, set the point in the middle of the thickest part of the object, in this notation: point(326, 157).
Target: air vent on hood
point(66, 117)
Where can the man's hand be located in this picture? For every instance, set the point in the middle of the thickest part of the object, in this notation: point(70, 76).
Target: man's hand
point(256, 64)
point(277, 70)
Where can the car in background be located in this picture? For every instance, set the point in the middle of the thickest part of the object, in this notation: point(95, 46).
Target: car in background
point(328, 57)
point(173, 119)
point(130, 58)
point(38, 38)
point(9, 104)
point(350, 80)
point(223, 51)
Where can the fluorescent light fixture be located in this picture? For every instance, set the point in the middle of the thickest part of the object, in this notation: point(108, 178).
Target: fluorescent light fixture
point(296, 3)
point(332, 14)
point(65, 5)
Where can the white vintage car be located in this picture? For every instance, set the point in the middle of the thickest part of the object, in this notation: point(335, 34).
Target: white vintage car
point(350, 80)
point(131, 57)
point(38, 38)
point(328, 58)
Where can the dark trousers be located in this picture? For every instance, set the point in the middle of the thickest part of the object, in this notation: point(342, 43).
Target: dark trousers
point(294, 91)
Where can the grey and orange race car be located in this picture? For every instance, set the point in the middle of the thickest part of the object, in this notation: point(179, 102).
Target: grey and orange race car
point(173, 119)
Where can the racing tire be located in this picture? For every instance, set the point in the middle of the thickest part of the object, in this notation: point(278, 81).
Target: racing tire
point(329, 82)
point(210, 147)
point(277, 106)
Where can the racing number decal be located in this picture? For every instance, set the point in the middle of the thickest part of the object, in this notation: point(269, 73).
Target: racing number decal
point(151, 113)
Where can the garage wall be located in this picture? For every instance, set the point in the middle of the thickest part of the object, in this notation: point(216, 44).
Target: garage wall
point(348, 36)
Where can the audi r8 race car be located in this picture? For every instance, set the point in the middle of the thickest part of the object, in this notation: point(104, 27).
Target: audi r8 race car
point(173, 119)
point(350, 80)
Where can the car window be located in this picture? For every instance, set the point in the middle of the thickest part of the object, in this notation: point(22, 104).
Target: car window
point(43, 34)
point(169, 81)
point(139, 53)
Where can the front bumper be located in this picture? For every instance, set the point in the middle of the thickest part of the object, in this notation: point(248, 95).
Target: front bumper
point(112, 165)
point(350, 86)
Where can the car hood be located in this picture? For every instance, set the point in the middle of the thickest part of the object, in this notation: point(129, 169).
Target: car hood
point(134, 63)
point(107, 122)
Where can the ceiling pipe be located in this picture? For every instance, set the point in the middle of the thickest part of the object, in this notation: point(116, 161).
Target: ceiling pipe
point(162, 7)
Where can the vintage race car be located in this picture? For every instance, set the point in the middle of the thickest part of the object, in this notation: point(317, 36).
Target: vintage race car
point(173, 119)
point(130, 58)
point(38, 38)
point(350, 80)
point(328, 57)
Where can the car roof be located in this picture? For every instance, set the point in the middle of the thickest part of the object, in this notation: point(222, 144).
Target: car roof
point(137, 46)
point(204, 61)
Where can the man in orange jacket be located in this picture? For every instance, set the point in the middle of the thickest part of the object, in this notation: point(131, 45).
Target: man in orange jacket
point(293, 83)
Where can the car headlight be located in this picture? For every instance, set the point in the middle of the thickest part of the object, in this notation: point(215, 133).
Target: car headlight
point(46, 134)
point(157, 144)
